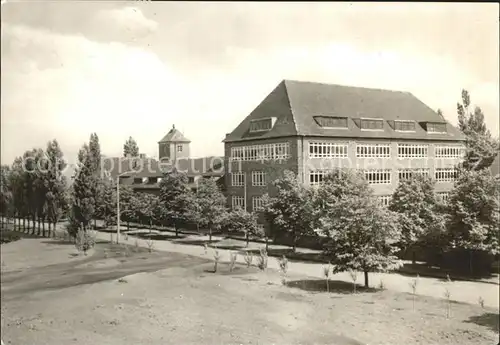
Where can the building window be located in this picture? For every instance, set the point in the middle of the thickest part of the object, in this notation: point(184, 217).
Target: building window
point(331, 121)
point(373, 150)
point(237, 179)
point(372, 124)
point(412, 151)
point(404, 126)
point(433, 127)
point(179, 148)
point(159, 179)
point(405, 174)
point(278, 151)
point(257, 203)
point(446, 174)
point(144, 180)
point(261, 125)
point(449, 151)
point(327, 150)
point(238, 202)
point(384, 200)
point(137, 180)
point(381, 176)
point(316, 177)
point(152, 180)
point(442, 196)
point(258, 178)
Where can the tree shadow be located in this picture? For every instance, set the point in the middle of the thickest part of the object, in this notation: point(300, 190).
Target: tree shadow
point(158, 237)
point(335, 286)
point(489, 320)
point(196, 242)
point(426, 270)
point(293, 256)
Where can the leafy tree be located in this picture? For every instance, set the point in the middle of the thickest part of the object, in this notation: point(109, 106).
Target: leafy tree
point(57, 203)
point(291, 210)
point(148, 207)
point(5, 192)
point(130, 148)
point(415, 203)
point(94, 156)
point(83, 207)
point(40, 191)
point(29, 170)
point(209, 207)
point(362, 234)
point(474, 213)
point(481, 146)
point(176, 198)
point(16, 181)
point(241, 220)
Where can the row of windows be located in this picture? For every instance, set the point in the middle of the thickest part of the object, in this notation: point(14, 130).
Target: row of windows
point(258, 179)
point(383, 176)
point(332, 150)
point(405, 174)
point(239, 202)
point(261, 152)
point(449, 151)
point(442, 196)
point(412, 151)
point(327, 150)
point(446, 174)
point(384, 200)
point(373, 150)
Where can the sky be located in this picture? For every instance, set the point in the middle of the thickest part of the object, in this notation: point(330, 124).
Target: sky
point(120, 69)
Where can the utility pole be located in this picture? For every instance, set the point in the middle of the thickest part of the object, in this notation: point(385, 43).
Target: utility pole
point(118, 209)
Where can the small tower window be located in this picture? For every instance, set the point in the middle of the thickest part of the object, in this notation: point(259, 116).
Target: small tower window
point(179, 148)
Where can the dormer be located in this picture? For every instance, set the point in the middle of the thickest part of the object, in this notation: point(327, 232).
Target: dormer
point(436, 127)
point(403, 125)
point(369, 124)
point(262, 125)
point(331, 122)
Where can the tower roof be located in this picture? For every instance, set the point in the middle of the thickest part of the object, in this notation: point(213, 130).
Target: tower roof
point(174, 136)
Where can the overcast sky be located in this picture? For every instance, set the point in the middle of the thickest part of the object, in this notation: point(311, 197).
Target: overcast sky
point(133, 69)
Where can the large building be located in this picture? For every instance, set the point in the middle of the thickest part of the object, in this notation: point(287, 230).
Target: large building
point(312, 128)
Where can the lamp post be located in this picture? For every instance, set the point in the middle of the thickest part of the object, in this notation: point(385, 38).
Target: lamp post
point(118, 209)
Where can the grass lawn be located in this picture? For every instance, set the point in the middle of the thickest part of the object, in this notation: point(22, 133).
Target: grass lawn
point(126, 295)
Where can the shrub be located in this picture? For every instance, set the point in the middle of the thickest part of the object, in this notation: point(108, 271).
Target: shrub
point(283, 263)
point(481, 302)
point(84, 241)
point(216, 258)
point(447, 295)
point(7, 237)
point(262, 264)
point(354, 277)
point(413, 286)
point(326, 273)
point(150, 243)
point(248, 258)
point(232, 260)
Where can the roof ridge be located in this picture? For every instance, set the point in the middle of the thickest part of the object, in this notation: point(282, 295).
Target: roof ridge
point(344, 86)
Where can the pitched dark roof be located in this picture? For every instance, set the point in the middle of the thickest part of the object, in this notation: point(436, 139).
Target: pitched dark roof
point(174, 135)
point(295, 103)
